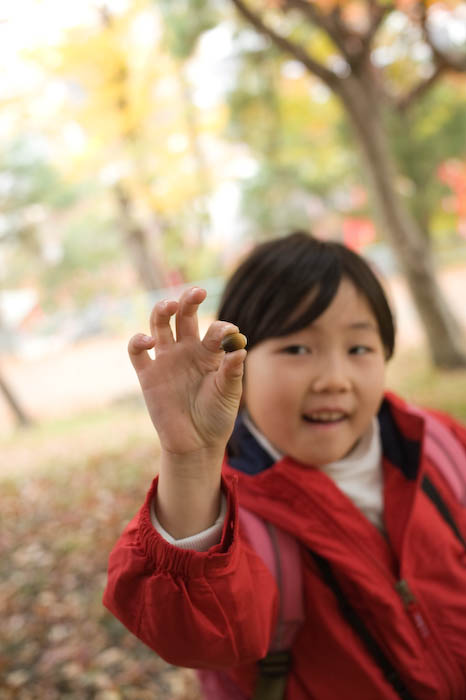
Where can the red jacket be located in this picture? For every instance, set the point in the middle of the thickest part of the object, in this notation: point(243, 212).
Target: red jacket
point(217, 609)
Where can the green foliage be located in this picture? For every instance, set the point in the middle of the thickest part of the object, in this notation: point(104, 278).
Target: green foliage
point(430, 133)
point(33, 196)
point(184, 250)
point(185, 21)
point(56, 235)
point(51, 238)
point(30, 179)
point(275, 202)
point(254, 102)
point(301, 149)
point(91, 248)
point(305, 146)
point(89, 242)
point(132, 103)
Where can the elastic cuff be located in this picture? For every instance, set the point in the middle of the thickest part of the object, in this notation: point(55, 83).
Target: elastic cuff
point(200, 542)
point(190, 563)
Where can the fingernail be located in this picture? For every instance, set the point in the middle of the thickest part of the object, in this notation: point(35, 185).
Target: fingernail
point(146, 338)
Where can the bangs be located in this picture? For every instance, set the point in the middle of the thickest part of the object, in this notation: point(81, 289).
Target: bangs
point(311, 303)
point(285, 284)
point(282, 291)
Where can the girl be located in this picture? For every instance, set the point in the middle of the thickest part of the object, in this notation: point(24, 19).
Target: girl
point(310, 442)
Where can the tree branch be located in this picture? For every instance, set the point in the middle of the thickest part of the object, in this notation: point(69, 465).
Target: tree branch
point(420, 89)
point(298, 52)
point(377, 14)
point(326, 22)
point(353, 45)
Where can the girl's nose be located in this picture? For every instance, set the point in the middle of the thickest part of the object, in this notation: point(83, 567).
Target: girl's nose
point(331, 376)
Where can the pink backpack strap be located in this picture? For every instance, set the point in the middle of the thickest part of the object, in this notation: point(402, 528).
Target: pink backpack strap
point(217, 685)
point(446, 452)
point(280, 553)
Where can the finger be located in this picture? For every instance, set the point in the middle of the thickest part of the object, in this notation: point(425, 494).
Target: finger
point(186, 318)
point(230, 374)
point(137, 349)
point(217, 330)
point(160, 322)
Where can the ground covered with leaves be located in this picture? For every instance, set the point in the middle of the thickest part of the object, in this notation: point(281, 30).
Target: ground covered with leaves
point(59, 520)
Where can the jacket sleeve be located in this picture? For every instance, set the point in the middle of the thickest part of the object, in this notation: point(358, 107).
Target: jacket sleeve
point(213, 609)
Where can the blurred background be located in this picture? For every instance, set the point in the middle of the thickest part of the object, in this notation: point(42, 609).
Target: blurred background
point(146, 145)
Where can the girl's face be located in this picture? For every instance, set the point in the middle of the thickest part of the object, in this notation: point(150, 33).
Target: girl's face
point(314, 393)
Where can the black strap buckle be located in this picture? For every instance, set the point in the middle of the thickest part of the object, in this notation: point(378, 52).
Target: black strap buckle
point(276, 663)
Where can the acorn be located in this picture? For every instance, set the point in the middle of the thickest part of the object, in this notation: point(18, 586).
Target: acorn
point(234, 341)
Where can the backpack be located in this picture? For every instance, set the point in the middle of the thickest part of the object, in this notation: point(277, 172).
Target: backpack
point(281, 554)
point(440, 443)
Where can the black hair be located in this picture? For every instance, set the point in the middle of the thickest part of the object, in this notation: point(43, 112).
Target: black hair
point(298, 272)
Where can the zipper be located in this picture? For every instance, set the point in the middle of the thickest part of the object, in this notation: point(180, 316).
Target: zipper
point(445, 667)
point(411, 606)
point(425, 631)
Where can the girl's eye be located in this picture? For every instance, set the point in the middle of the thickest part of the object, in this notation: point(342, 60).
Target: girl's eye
point(360, 350)
point(296, 350)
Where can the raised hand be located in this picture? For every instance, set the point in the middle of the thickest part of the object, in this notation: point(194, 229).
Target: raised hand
point(192, 388)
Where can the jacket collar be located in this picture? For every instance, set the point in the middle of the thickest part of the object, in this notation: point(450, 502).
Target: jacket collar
point(244, 451)
point(400, 429)
point(398, 447)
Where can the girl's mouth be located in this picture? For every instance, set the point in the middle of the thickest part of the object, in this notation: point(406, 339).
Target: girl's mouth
point(325, 417)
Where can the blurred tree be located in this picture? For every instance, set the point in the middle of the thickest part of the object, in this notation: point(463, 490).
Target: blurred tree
point(25, 180)
point(54, 236)
point(303, 159)
point(183, 23)
point(139, 238)
point(380, 58)
point(31, 193)
point(307, 166)
point(141, 132)
point(13, 402)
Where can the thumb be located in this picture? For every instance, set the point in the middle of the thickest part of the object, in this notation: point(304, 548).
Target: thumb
point(230, 374)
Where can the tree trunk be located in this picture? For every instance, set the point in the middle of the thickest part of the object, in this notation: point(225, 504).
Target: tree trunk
point(20, 415)
point(140, 244)
point(359, 95)
point(361, 99)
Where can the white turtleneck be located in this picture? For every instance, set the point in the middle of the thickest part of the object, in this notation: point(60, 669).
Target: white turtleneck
point(358, 475)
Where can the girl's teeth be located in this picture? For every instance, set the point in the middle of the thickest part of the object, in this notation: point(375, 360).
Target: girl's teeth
point(326, 416)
